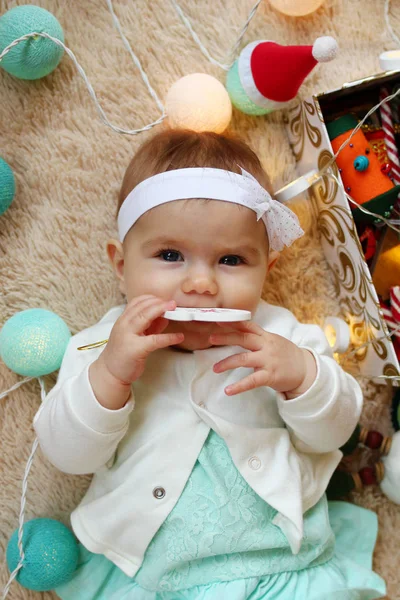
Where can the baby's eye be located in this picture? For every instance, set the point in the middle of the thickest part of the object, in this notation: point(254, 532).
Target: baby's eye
point(231, 260)
point(170, 255)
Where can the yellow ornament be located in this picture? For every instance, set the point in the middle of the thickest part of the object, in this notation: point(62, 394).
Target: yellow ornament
point(199, 102)
point(296, 8)
point(386, 273)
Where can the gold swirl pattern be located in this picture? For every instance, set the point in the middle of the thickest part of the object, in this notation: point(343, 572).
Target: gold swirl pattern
point(300, 125)
point(318, 109)
point(326, 219)
point(326, 187)
point(347, 277)
point(390, 370)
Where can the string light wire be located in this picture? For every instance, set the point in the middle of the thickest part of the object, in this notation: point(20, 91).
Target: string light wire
point(232, 53)
point(388, 24)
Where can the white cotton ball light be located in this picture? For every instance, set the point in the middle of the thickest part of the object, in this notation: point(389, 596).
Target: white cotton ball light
point(296, 8)
point(199, 102)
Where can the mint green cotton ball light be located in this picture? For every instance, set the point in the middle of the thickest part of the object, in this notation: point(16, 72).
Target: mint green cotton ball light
point(238, 96)
point(51, 555)
point(7, 186)
point(33, 342)
point(35, 57)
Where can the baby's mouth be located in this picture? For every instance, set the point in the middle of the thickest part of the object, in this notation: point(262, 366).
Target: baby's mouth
point(200, 326)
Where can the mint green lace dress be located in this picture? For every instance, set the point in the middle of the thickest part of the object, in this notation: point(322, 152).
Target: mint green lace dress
point(219, 543)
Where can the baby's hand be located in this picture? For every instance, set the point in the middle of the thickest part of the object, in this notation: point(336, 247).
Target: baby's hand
point(137, 333)
point(277, 362)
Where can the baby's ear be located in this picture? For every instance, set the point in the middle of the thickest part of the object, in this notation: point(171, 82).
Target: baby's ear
point(272, 258)
point(115, 253)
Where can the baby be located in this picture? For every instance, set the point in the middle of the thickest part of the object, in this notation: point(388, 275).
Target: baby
point(211, 444)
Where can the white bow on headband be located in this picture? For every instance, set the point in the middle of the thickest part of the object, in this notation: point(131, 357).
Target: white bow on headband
point(281, 223)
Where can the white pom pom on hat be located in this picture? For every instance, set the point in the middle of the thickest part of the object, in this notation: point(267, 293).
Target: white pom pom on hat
point(325, 49)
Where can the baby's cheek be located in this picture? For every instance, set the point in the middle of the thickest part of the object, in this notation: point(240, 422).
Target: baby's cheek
point(243, 291)
point(243, 299)
point(145, 278)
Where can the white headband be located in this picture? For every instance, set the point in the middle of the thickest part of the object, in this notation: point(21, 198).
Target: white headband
point(281, 223)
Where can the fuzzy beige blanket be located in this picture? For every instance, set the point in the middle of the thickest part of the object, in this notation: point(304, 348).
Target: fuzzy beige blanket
point(69, 167)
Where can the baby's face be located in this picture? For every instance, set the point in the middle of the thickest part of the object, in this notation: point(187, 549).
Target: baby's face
point(202, 254)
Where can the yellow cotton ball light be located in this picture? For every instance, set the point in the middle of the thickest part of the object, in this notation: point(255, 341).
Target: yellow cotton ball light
point(199, 102)
point(296, 8)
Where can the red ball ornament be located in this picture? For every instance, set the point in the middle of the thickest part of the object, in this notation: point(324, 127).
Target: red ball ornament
point(368, 242)
point(368, 476)
point(374, 440)
point(386, 168)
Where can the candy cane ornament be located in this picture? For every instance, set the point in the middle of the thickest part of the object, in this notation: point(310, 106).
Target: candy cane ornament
point(388, 131)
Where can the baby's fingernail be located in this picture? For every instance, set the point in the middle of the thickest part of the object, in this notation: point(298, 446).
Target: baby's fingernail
point(171, 304)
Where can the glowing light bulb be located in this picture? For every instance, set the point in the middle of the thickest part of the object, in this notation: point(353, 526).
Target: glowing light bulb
point(337, 333)
point(199, 102)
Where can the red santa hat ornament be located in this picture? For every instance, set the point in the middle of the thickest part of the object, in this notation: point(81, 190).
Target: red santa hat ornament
point(267, 75)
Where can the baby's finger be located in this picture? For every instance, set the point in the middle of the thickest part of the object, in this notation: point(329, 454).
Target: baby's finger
point(247, 340)
point(147, 313)
point(132, 310)
point(161, 340)
point(256, 379)
point(137, 301)
point(249, 326)
point(141, 308)
point(242, 359)
point(157, 326)
point(141, 305)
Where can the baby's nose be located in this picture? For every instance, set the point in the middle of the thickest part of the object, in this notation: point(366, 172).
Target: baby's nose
point(200, 283)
